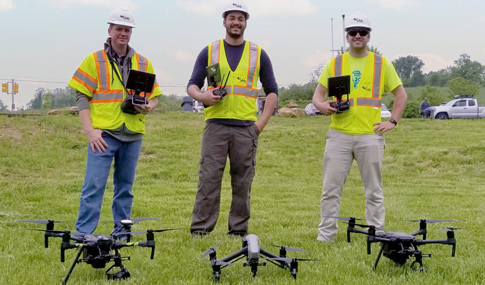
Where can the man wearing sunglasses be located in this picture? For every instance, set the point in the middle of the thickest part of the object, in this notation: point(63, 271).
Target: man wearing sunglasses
point(357, 133)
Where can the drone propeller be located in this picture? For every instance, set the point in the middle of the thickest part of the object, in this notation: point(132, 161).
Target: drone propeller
point(131, 220)
point(449, 229)
point(152, 231)
point(211, 250)
point(344, 218)
point(44, 222)
point(430, 221)
point(289, 248)
point(370, 226)
point(51, 231)
point(288, 259)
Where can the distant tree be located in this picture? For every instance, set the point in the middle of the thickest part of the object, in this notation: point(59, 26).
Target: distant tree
point(3, 108)
point(36, 103)
point(374, 50)
point(434, 97)
point(409, 68)
point(438, 78)
point(62, 97)
point(461, 86)
point(297, 92)
point(316, 73)
point(470, 70)
point(46, 101)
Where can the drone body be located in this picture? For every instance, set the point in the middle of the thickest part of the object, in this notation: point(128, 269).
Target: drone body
point(98, 250)
point(253, 253)
point(399, 246)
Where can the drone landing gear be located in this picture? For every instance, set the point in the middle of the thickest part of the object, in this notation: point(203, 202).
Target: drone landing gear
point(76, 260)
point(418, 255)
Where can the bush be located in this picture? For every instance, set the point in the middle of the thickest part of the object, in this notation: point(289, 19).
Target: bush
point(411, 110)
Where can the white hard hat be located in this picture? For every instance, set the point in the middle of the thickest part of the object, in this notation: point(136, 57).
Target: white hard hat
point(359, 20)
point(236, 5)
point(122, 16)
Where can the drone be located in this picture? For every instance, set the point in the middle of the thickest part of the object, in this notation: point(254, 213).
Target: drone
point(399, 246)
point(252, 252)
point(98, 250)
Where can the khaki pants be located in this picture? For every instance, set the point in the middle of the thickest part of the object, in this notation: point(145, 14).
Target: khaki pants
point(340, 151)
point(218, 143)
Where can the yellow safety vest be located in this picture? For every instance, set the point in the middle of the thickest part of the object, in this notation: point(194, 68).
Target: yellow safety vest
point(365, 101)
point(97, 79)
point(242, 87)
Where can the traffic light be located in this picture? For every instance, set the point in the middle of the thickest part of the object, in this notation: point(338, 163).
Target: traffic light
point(15, 88)
point(5, 87)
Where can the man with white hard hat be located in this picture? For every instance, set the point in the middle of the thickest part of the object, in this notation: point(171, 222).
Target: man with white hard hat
point(232, 128)
point(357, 133)
point(99, 83)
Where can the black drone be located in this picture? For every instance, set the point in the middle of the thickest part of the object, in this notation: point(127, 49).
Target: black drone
point(252, 252)
point(399, 246)
point(98, 250)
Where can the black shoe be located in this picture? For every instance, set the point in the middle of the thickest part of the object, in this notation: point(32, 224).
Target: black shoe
point(237, 234)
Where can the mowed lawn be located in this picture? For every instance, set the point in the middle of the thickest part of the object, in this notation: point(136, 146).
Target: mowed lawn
point(432, 170)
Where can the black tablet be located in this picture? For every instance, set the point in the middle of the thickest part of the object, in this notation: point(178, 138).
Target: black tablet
point(140, 81)
point(338, 85)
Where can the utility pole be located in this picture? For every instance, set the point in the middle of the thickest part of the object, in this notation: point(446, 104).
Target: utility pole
point(331, 20)
point(343, 23)
point(13, 93)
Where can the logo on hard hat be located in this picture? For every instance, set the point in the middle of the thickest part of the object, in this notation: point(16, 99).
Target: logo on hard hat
point(237, 5)
point(358, 20)
point(125, 17)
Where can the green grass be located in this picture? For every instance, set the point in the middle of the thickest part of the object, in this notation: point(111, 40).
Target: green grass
point(432, 169)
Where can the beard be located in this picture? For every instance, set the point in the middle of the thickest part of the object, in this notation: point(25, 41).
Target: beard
point(236, 35)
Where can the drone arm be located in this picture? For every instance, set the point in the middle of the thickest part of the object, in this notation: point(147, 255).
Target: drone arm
point(148, 243)
point(238, 253)
point(420, 232)
point(450, 241)
point(268, 254)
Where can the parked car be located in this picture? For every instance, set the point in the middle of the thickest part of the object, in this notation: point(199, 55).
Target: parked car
point(385, 113)
point(187, 104)
point(463, 107)
point(198, 106)
point(311, 110)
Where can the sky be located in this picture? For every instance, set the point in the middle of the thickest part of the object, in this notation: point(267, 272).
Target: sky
point(43, 42)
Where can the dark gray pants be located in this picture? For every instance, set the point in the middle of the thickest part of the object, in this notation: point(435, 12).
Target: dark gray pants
point(219, 142)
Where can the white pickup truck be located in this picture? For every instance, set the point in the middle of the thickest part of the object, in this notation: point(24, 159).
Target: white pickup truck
point(464, 107)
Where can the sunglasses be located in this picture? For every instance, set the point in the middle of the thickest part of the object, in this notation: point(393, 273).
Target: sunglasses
point(362, 33)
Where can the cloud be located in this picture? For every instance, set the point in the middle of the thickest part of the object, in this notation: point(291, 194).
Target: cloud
point(315, 59)
point(111, 4)
point(183, 56)
point(6, 5)
point(432, 62)
point(478, 20)
point(256, 8)
point(163, 77)
point(395, 4)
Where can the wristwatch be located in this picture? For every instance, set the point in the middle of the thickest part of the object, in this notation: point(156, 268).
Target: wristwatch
point(393, 121)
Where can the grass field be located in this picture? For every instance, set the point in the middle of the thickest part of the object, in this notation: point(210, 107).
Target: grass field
point(433, 169)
